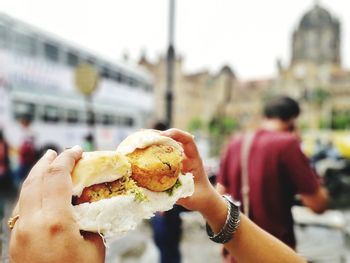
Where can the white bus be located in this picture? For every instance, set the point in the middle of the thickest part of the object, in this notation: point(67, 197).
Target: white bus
point(37, 81)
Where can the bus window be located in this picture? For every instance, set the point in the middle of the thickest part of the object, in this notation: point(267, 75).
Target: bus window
point(91, 61)
point(132, 82)
point(121, 78)
point(25, 44)
point(117, 120)
point(4, 41)
point(23, 110)
point(116, 76)
point(107, 119)
point(51, 114)
point(72, 116)
point(51, 52)
point(128, 121)
point(148, 87)
point(72, 59)
point(91, 118)
point(105, 73)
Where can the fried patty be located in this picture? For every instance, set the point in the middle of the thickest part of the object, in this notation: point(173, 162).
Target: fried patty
point(101, 191)
point(156, 167)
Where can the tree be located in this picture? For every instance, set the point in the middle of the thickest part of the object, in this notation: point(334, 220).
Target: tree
point(196, 125)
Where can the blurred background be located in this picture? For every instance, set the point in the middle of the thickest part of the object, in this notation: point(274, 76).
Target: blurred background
point(91, 72)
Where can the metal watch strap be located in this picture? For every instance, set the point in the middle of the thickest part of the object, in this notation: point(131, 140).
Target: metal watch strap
point(230, 226)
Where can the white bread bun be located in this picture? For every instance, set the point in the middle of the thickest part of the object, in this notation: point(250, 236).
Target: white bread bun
point(115, 216)
point(144, 138)
point(99, 167)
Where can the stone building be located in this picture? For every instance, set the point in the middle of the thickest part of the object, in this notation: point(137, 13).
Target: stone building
point(198, 96)
point(317, 38)
point(315, 75)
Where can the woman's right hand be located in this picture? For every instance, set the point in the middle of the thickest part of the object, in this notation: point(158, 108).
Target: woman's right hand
point(193, 164)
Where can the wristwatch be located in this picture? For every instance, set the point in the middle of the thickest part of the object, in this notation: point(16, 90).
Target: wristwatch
point(231, 224)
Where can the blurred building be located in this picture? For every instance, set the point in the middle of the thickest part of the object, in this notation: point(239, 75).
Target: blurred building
point(199, 96)
point(315, 74)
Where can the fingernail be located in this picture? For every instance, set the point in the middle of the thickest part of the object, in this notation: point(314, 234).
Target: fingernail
point(50, 153)
point(77, 148)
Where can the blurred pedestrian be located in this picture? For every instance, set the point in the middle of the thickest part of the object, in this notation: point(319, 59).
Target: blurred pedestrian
point(5, 172)
point(27, 152)
point(7, 189)
point(265, 169)
point(27, 158)
point(89, 143)
point(167, 227)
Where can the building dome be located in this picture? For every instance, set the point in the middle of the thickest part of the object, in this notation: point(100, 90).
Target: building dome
point(317, 39)
point(315, 18)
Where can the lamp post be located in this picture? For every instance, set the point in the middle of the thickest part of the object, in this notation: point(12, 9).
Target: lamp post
point(86, 81)
point(170, 66)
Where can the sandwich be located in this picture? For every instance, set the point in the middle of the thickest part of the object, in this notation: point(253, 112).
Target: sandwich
point(113, 191)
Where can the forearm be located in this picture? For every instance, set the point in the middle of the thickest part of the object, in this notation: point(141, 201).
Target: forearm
point(317, 202)
point(250, 243)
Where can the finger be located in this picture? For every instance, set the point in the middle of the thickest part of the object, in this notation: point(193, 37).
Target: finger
point(96, 242)
point(187, 166)
point(16, 209)
point(186, 139)
point(184, 202)
point(30, 196)
point(57, 183)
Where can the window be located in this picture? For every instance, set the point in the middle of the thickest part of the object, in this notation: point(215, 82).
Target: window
point(116, 76)
point(51, 52)
point(105, 73)
point(107, 119)
point(72, 59)
point(72, 116)
point(128, 121)
point(51, 114)
point(91, 61)
point(117, 120)
point(25, 44)
point(23, 110)
point(148, 87)
point(4, 41)
point(131, 81)
point(121, 78)
point(91, 117)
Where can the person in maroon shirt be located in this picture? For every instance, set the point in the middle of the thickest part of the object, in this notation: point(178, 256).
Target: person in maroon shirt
point(277, 171)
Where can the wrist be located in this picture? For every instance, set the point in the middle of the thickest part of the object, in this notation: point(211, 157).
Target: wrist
point(227, 231)
point(215, 211)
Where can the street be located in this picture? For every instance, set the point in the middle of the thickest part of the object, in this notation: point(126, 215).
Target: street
point(318, 243)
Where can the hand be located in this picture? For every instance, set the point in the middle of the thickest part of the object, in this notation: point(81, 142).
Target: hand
point(193, 164)
point(46, 230)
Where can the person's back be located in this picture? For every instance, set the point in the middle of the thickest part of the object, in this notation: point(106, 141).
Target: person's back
point(277, 171)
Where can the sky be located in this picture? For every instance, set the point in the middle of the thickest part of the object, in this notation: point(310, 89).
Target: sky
point(247, 35)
